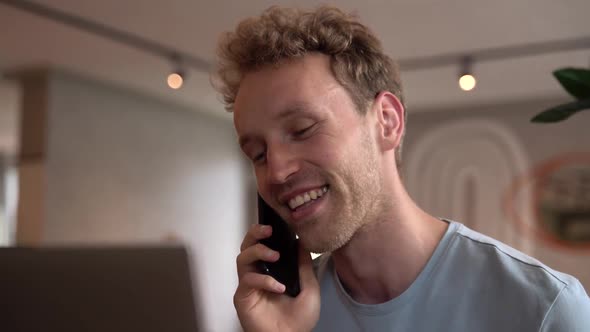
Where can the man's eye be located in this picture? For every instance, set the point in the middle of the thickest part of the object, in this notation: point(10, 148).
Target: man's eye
point(258, 157)
point(302, 132)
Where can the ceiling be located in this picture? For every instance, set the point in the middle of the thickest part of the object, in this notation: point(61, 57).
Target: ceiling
point(408, 29)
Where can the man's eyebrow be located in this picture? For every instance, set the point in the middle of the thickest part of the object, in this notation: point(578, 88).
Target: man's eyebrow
point(297, 108)
point(294, 109)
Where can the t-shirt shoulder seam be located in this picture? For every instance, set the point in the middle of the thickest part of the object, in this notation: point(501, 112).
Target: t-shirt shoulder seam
point(443, 253)
point(551, 307)
point(540, 266)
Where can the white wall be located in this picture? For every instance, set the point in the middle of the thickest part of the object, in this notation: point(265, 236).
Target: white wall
point(461, 164)
point(122, 167)
point(9, 117)
point(9, 131)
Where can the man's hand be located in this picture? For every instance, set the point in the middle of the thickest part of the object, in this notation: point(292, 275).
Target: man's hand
point(259, 299)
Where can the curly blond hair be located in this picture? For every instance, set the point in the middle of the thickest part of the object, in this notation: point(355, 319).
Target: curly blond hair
point(357, 59)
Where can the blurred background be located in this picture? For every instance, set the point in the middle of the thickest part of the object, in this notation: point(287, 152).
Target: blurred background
point(96, 147)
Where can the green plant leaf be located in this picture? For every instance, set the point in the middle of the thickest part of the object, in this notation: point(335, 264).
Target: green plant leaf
point(576, 81)
point(561, 112)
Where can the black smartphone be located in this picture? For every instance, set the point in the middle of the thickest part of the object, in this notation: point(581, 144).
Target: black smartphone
point(283, 240)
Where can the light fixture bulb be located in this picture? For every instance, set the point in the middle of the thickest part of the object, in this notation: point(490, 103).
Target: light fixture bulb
point(467, 82)
point(175, 80)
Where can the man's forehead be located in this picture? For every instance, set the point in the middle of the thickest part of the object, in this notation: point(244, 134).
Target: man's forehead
point(280, 93)
point(273, 102)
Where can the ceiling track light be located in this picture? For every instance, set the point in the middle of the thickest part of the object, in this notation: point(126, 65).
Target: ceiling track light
point(177, 77)
point(467, 81)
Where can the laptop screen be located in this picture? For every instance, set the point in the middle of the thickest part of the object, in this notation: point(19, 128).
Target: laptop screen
point(96, 289)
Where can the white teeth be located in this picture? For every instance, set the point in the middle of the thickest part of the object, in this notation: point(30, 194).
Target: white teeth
point(292, 204)
point(299, 200)
point(306, 197)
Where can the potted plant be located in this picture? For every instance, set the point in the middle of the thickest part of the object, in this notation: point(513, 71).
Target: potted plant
point(576, 81)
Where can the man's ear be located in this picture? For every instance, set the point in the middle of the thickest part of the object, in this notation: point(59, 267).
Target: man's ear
point(390, 120)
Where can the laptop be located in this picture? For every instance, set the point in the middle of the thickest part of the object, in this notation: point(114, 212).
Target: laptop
point(96, 289)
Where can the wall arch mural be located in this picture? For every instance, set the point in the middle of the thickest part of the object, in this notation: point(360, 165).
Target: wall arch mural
point(461, 170)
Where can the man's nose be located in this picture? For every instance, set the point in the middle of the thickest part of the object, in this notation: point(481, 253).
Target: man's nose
point(281, 163)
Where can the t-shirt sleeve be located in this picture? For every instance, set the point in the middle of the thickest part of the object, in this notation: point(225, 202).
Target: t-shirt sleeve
point(570, 311)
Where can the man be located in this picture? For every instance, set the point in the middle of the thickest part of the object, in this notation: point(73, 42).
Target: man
point(318, 109)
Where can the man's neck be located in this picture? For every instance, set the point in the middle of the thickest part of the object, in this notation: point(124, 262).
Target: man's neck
point(386, 255)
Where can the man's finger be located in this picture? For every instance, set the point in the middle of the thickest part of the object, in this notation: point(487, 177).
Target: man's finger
point(256, 232)
point(252, 282)
point(246, 260)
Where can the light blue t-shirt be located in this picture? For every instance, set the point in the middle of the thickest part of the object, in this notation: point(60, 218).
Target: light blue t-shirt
point(471, 283)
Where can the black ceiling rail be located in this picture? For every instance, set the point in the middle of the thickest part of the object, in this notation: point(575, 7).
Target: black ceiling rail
point(497, 53)
point(407, 64)
point(120, 36)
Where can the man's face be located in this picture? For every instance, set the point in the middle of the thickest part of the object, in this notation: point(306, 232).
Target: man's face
point(315, 157)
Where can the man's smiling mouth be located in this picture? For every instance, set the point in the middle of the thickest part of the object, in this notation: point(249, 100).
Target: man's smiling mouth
point(307, 197)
